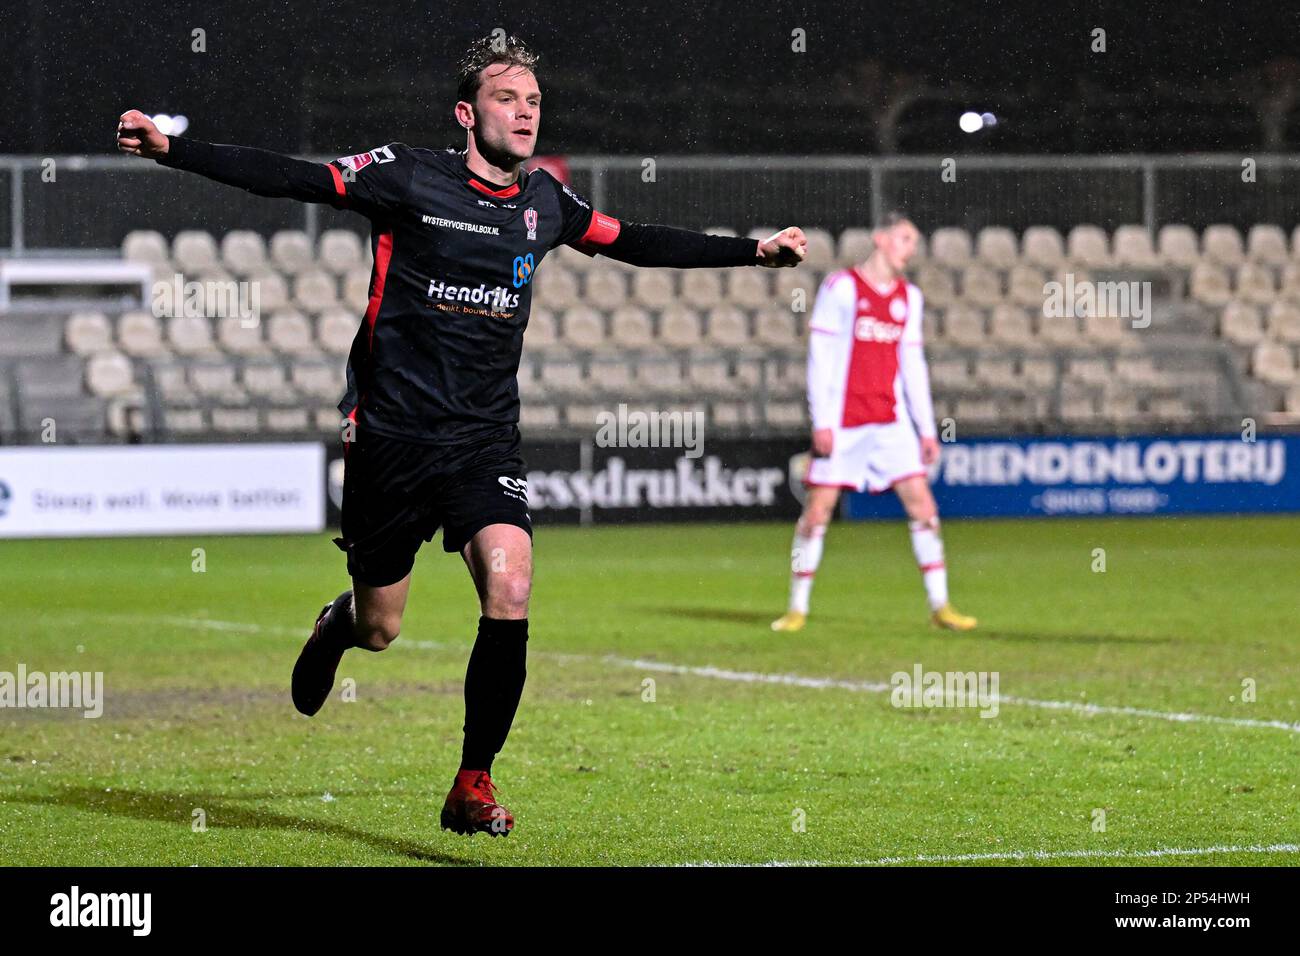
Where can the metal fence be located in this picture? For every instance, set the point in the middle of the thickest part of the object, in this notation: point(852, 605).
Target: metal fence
point(50, 205)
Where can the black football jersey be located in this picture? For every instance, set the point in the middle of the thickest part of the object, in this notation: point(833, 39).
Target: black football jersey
point(435, 358)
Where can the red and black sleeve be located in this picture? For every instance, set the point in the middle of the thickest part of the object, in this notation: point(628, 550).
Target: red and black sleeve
point(260, 171)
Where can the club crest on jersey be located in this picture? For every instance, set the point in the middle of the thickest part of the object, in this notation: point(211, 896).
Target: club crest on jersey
point(523, 270)
point(898, 309)
point(530, 220)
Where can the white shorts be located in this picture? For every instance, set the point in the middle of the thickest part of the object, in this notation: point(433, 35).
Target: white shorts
point(869, 458)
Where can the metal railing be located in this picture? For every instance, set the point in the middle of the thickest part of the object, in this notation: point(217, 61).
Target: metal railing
point(80, 204)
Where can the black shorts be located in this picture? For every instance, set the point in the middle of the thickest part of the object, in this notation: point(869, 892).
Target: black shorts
point(396, 494)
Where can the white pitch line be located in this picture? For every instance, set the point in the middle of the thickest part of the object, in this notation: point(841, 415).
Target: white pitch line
point(789, 680)
point(1017, 855)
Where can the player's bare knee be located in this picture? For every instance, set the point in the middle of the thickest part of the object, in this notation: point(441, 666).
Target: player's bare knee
point(377, 634)
point(507, 595)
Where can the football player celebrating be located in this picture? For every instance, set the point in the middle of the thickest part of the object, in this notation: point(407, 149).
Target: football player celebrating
point(869, 398)
point(432, 393)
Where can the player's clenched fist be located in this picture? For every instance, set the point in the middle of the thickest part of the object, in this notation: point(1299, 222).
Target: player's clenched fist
point(785, 248)
point(823, 442)
point(137, 135)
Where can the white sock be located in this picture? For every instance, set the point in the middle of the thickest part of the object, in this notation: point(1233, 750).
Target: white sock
point(928, 548)
point(805, 555)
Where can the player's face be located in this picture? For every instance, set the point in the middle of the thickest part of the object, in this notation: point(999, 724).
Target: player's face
point(898, 244)
point(507, 113)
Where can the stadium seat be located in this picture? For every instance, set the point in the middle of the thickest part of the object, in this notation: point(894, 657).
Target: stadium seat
point(775, 329)
point(340, 251)
point(680, 327)
point(316, 379)
point(821, 249)
point(289, 333)
point(216, 380)
point(336, 329)
point(652, 288)
point(1178, 246)
point(605, 288)
point(612, 378)
point(1133, 248)
point(1290, 287)
point(294, 419)
point(631, 328)
point(1266, 244)
point(1089, 370)
point(272, 291)
point(728, 327)
point(1041, 246)
point(1011, 325)
point(109, 374)
point(1272, 362)
point(1136, 370)
point(1038, 371)
point(195, 252)
point(854, 246)
point(584, 328)
point(146, 246)
point(139, 334)
point(1087, 246)
point(1284, 322)
point(702, 288)
point(662, 377)
point(994, 370)
point(980, 286)
point(237, 420)
point(996, 247)
point(356, 290)
point(1060, 330)
point(950, 247)
point(291, 251)
point(1025, 286)
point(240, 337)
point(1255, 283)
point(562, 377)
point(539, 416)
point(243, 252)
point(556, 288)
point(88, 332)
point(963, 325)
point(266, 381)
point(1105, 330)
point(315, 290)
point(748, 288)
point(1242, 323)
point(190, 334)
point(795, 288)
point(1221, 244)
point(708, 376)
point(1209, 285)
point(543, 330)
point(936, 285)
point(950, 372)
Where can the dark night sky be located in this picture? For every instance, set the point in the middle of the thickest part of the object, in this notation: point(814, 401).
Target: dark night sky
point(645, 77)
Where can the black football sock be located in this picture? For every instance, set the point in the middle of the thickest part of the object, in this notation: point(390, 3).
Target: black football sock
point(494, 682)
point(340, 624)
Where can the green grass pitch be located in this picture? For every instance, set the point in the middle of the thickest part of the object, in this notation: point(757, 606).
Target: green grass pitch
point(720, 767)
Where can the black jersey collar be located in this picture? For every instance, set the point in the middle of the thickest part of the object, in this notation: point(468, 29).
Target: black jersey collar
point(489, 188)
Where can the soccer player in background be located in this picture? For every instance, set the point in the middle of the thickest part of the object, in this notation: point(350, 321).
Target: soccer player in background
point(869, 398)
point(432, 390)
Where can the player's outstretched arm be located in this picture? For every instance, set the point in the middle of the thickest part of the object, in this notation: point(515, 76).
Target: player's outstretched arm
point(259, 171)
point(640, 244)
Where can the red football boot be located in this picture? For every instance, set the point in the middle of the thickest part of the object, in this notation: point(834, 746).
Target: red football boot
point(472, 807)
point(313, 674)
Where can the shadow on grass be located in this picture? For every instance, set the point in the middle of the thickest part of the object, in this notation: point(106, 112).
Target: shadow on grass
point(723, 614)
point(1038, 637)
point(222, 814)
